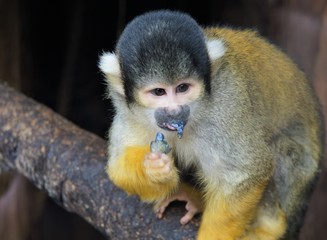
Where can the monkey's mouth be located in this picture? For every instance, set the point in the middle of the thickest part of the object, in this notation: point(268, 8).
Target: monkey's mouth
point(174, 126)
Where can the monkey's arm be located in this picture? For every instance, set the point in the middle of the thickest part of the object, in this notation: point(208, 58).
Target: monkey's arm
point(232, 196)
point(151, 176)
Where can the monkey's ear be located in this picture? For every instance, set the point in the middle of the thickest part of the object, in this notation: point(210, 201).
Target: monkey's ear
point(109, 65)
point(216, 49)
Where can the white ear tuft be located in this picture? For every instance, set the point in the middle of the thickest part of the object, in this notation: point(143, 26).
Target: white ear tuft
point(216, 49)
point(109, 64)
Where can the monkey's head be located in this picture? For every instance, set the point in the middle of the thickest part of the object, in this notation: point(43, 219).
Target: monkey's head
point(161, 64)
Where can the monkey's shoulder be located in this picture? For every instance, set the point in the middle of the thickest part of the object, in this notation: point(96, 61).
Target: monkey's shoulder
point(230, 34)
point(252, 56)
point(245, 44)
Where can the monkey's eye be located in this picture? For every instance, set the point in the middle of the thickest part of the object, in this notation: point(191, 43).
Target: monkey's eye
point(158, 91)
point(182, 88)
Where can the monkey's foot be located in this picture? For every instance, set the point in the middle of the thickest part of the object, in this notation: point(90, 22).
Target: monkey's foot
point(193, 205)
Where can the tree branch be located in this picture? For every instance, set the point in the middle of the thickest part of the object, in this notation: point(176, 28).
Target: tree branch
point(69, 164)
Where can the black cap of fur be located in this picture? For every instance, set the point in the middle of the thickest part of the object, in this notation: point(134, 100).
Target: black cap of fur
point(162, 46)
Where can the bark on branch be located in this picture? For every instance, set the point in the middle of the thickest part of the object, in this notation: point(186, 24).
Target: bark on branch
point(68, 163)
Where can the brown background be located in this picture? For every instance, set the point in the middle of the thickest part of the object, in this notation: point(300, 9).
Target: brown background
point(50, 52)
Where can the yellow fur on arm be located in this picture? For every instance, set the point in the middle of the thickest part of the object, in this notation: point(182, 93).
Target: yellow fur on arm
point(129, 174)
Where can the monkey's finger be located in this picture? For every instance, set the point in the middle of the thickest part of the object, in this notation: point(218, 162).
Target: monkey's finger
point(188, 217)
point(160, 208)
point(154, 156)
point(154, 164)
point(162, 161)
point(160, 211)
point(159, 215)
point(192, 210)
point(165, 158)
point(162, 157)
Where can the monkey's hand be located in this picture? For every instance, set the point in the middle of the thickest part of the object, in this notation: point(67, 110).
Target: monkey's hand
point(159, 167)
point(151, 176)
point(188, 194)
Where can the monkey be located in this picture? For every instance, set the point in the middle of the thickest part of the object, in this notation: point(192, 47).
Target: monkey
point(239, 116)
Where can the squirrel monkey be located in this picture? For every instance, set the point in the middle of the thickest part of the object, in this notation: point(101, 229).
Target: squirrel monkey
point(234, 109)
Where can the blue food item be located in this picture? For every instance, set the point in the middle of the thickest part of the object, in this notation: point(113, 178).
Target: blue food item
point(175, 126)
point(179, 126)
point(160, 144)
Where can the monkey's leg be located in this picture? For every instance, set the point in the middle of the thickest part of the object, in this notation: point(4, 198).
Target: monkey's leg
point(188, 194)
point(270, 222)
point(151, 176)
point(268, 226)
point(226, 217)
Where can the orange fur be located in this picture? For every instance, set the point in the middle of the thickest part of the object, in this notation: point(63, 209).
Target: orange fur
point(267, 227)
point(128, 173)
point(226, 218)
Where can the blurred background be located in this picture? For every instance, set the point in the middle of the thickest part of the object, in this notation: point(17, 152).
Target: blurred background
point(49, 51)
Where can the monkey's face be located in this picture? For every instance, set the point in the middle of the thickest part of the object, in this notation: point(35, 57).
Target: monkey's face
point(171, 103)
point(162, 69)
